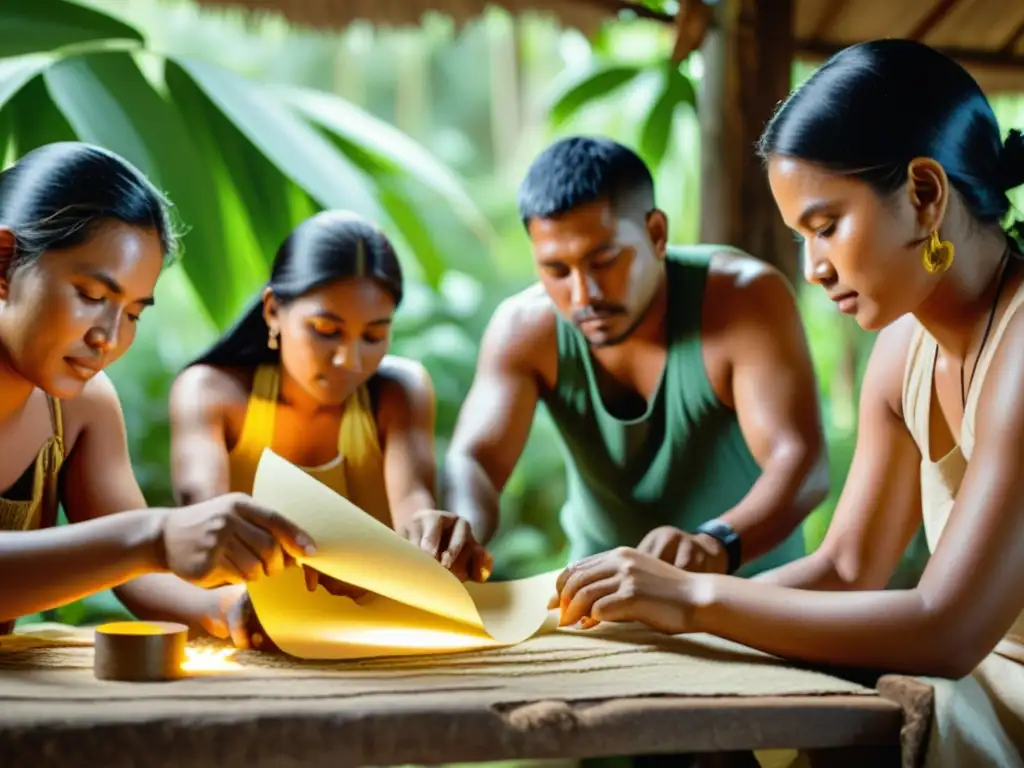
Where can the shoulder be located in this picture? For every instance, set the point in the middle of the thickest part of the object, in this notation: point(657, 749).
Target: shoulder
point(97, 406)
point(523, 328)
point(741, 286)
point(405, 392)
point(1003, 383)
point(205, 390)
point(887, 365)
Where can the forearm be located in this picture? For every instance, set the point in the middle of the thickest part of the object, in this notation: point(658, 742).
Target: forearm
point(817, 571)
point(165, 597)
point(40, 570)
point(885, 630)
point(470, 493)
point(792, 483)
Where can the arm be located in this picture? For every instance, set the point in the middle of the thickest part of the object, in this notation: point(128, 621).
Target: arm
point(406, 420)
point(198, 406)
point(880, 507)
point(495, 419)
point(98, 480)
point(773, 391)
point(962, 605)
point(45, 569)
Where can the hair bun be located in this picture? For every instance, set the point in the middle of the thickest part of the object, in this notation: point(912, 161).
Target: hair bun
point(1012, 159)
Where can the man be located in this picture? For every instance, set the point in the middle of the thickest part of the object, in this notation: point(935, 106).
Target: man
point(678, 377)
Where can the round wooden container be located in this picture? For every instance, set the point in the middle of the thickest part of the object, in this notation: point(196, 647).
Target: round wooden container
point(140, 651)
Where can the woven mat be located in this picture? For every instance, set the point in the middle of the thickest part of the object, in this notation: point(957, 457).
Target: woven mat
point(611, 661)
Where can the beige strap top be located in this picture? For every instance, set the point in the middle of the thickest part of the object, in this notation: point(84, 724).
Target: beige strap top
point(941, 478)
point(40, 510)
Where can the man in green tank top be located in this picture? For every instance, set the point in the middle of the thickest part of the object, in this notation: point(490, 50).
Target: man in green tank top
point(678, 377)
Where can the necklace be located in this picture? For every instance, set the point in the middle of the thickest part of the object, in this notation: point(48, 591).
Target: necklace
point(1004, 267)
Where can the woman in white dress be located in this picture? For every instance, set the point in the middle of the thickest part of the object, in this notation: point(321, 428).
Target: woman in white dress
point(890, 166)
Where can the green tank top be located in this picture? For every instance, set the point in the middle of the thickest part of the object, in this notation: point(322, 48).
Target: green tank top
point(682, 462)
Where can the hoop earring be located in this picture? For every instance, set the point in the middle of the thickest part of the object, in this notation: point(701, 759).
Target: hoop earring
point(937, 255)
point(272, 341)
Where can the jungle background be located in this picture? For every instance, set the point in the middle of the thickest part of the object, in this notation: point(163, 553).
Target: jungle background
point(251, 125)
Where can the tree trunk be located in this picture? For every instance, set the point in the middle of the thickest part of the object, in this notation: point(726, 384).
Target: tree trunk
point(748, 60)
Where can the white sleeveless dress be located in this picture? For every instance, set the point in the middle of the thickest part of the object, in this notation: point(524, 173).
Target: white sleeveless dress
point(979, 719)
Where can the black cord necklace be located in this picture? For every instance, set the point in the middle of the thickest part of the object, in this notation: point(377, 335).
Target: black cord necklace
point(1005, 270)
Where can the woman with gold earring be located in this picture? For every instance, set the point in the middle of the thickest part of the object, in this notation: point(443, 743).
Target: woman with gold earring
point(890, 165)
point(306, 372)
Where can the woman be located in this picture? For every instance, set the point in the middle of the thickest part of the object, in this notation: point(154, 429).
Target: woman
point(306, 373)
point(889, 164)
point(83, 237)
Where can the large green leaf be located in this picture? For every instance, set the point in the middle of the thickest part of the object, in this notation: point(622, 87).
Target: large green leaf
point(298, 150)
point(378, 137)
point(261, 191)
point(593, 86)
point(36, 119)
point(109, 102)
point(657, 128)
point(15, 73)
point(30, 26)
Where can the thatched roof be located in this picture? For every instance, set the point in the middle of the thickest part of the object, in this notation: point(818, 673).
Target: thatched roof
point(985, 35)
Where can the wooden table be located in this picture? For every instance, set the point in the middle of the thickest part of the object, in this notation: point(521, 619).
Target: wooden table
point(56, 715)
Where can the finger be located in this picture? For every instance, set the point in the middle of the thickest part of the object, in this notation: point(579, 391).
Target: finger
point(553, 602)
point(341, 588)
point(582, 577)
point(482, 565)
point(588, 623)
point(583, 601)
point(666, 547)
point(433, 532)
point(461, 534)
point(648, 542)
point(243, 560)
point(312, 578)
point(295, 541)
point(688, 557)
point(462, 566)
point(239, 616)
point(413, 531)
point(262, 544)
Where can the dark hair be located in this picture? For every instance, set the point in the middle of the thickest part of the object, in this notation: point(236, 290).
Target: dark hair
point(875, 106)
point(578, 170)
point(56, 196)
point(332, 245)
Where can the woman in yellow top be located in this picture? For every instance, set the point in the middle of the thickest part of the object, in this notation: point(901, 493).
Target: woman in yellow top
point(306, 373)
point(83, 238)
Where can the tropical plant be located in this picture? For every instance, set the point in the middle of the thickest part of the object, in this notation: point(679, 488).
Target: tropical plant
point(242, 161)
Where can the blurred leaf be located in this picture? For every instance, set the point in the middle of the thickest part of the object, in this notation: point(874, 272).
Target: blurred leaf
point(260, 187)
point(15, 73)
point(36, 119)
point(30, 26)
point(109, 102)
point(657, 128)
point(377, 137)
point(297, 150)
point(593, 86)
point(414, 230)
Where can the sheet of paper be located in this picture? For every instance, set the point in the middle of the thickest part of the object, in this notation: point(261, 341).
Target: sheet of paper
point(418, 606)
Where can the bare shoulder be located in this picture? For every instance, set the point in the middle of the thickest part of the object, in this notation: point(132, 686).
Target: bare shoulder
point(405, 385)
point(741, 286)
point(521, 335)
point(205, 390)
point(887, 365)
point(96, 403)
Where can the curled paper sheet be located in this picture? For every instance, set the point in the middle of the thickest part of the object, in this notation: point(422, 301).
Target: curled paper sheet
point(414, 605)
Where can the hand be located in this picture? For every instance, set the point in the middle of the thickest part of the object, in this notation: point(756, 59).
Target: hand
point(626, 585)
point(229, 539)
point(699, 554)
point(337, 588)
point(449, 539)
point(235, 618)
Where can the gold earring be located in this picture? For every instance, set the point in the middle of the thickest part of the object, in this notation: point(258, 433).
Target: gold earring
point(937, 255)
point(272, 342)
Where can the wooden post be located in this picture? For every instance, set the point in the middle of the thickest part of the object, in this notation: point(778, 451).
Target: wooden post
point(748, 61)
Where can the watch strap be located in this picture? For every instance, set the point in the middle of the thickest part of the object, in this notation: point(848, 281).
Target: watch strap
point(725, 535)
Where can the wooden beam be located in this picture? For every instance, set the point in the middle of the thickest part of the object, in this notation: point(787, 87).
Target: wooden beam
point(748, 57)
point(1010, 46)
point(938, 12)
point(966, 56)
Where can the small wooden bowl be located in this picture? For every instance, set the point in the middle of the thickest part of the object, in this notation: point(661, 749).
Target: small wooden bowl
point(140, 651)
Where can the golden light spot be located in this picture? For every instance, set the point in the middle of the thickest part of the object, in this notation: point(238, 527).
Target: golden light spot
point(210, 660)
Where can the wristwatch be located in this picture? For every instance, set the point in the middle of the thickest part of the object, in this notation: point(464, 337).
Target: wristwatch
point(725, 535)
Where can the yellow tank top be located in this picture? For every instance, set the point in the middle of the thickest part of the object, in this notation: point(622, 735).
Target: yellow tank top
point(40, 509)
point(358, 471)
